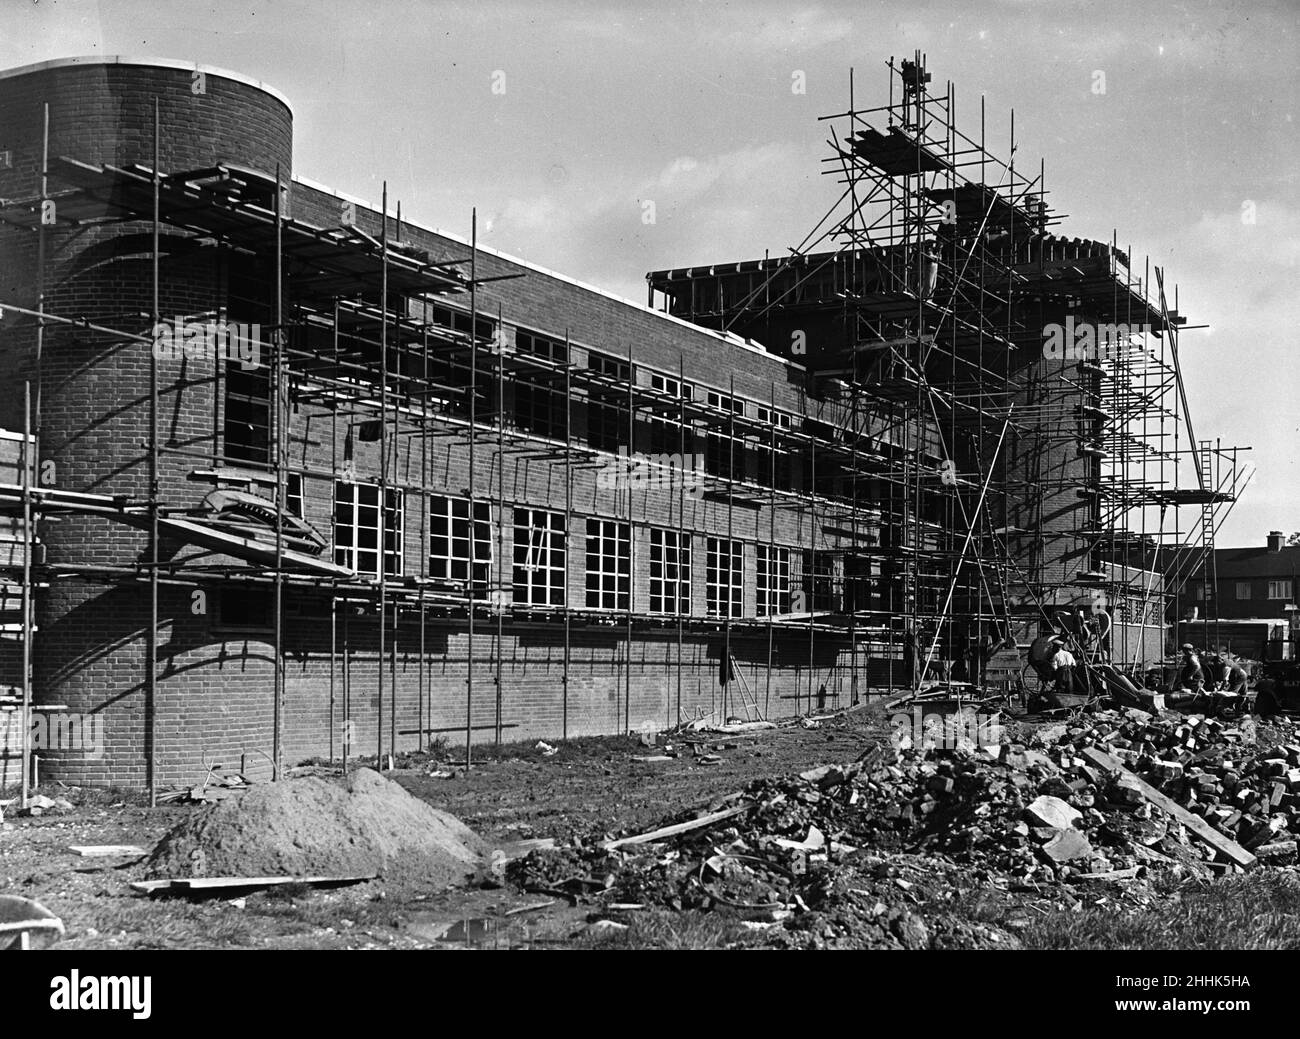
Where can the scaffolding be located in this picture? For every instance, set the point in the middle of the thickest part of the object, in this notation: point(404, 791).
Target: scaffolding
point(931, 447)
point(931, 283)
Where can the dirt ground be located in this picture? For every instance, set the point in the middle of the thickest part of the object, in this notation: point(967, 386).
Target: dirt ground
point(511, 793)
point(592, 788)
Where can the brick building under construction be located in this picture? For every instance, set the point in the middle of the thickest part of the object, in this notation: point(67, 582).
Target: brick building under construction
point(286, 475)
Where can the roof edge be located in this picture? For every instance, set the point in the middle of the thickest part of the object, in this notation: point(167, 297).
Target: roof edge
point(160, 63)
point(726, 337)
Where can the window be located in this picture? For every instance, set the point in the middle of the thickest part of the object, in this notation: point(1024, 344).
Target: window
point(248, 413)
point(449, 371)
point(666, 428)
point(356, 528)
point(723, 456)
point(773, 580)
point(1243, 589)
point(293, 494)
point(540, 404)
point(449, 542)
point(761, 447)
point(245, 609)
point(539, 557)
point(609, 564)
point(670, 571)
point(819, 581)
point(724, 572)
point(607, 404)
point(863, 589)
point(1279, 590)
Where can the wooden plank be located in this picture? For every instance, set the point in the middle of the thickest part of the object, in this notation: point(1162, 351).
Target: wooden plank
point(678, 828)
point(218, 883)
point(1198, 826)
point(105, 851)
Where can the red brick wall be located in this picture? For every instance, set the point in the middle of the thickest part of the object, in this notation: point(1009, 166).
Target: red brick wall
point(95, 415)
point(215, 686)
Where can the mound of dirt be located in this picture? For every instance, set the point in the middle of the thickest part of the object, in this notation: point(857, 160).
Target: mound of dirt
point(321, 827)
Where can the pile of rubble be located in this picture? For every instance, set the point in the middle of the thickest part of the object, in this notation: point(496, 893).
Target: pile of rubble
point(1113, 797)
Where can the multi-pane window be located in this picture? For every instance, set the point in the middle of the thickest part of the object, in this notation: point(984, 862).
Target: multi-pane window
point(863, 589)
point(772, 580)
point(1279, 589)
point(609, 564)
point(540, 403)
point(248, 413)
point(540, 553)
point(670, 571)
point(607, 403)
point(451, 537)
point(819, 581)
point(1243, 589)
point(666, 428)
point(724, 574)
point(450, 371)
point(723, 456)
point(358, 540)
point(761, 447)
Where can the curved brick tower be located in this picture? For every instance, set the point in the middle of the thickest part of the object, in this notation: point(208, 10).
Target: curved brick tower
point(94, 400)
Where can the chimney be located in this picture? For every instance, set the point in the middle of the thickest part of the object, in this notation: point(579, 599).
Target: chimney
point(1275, 540)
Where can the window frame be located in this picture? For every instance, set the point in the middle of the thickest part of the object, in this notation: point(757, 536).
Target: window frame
point(527, 561)
point(473, 562)
point(733, 550)
point(394, 507)
point(772, 598)
point(670, 579)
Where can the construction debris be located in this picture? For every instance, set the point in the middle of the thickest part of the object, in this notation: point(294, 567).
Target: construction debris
point(215, 788)
point(1106, 800)
point(39, 804)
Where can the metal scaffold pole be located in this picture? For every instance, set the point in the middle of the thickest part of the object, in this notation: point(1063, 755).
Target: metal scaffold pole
point(382, 546)
point(25, 718)
point(568, 525)
point(280, 433)
point(498, 599)
point(473, 419)
point(151, 644)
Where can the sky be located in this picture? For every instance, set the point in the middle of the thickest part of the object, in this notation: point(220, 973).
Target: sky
point(559, 121)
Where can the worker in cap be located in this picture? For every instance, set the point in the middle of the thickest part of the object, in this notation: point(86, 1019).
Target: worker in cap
point(1191, 675)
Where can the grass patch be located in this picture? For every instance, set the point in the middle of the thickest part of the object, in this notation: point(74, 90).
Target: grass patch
point(656, 929)
point(1252, 911)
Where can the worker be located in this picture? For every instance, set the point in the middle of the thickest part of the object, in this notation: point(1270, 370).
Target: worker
point(1226, 676)
point(1063, 665)
point(1191, 675)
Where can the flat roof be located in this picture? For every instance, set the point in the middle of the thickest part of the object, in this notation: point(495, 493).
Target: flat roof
point(727, 337)
point(159, 63)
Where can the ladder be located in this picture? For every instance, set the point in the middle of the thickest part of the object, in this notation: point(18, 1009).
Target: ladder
point(1208, 510)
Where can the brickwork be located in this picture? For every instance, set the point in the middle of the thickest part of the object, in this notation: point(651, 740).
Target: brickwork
point(214, 700)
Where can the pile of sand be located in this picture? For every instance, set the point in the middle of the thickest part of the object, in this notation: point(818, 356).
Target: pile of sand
point(321, 827)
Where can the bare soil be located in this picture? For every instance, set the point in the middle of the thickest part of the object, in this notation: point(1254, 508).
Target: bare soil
point(511, 793)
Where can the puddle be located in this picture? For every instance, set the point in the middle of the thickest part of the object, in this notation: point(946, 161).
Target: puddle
point(479, 932)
